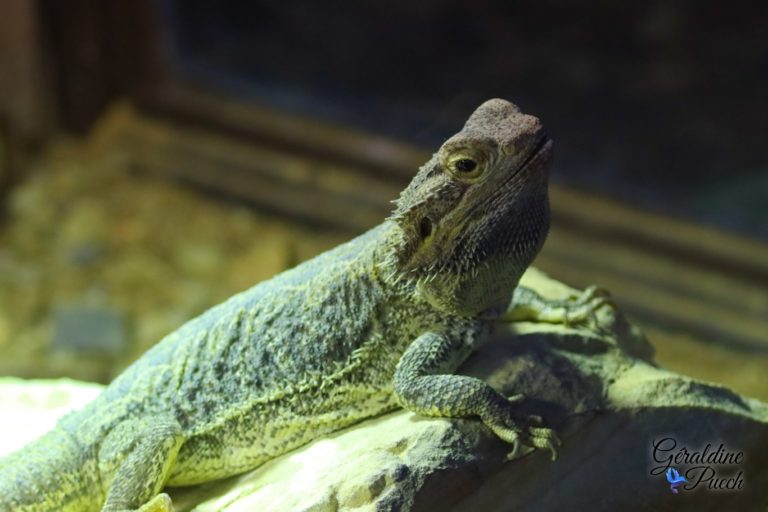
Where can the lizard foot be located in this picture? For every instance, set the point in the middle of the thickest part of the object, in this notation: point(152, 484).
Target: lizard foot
point(160, 503)
point(524, 433)
point(582, 308)
point(578, 309)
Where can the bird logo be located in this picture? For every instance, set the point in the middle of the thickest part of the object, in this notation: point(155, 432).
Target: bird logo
point(674, 479)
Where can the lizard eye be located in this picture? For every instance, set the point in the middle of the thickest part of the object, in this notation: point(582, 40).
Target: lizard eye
point(464, 166)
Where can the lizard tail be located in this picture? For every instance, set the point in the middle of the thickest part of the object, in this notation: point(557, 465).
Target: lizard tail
point(50, 474)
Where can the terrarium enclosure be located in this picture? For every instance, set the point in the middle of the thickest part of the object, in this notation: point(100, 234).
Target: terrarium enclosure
point(159, 156)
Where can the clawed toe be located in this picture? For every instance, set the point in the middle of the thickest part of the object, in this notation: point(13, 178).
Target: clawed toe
point(593, 292)
point(541, 432)
point(584, 307)
point(549, 445)
point(513, 453)
point(160, 503)
point(545, 439)
point(527, 433)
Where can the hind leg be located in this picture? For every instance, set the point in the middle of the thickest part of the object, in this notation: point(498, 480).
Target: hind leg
point(145, 453)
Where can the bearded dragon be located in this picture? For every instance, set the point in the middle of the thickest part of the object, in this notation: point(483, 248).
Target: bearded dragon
point(377, 323)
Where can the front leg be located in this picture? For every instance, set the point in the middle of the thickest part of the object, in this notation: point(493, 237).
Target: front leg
point(422, 385)
point(527, 305)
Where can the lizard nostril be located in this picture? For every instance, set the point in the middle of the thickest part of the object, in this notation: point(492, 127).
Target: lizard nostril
point(425, 227)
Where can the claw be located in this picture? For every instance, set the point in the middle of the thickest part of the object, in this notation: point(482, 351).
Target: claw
point(593, 292)
point(545, 444)
point(584, 307)
point(553, 449)
point(525, 435)
point(515, 448)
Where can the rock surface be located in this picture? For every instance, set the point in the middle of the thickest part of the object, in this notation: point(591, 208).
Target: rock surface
point(597, 386)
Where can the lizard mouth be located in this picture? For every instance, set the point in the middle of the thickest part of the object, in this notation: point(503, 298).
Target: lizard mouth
point(543, 145)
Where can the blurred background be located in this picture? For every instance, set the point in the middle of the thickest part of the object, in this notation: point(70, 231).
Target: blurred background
point(158, 156)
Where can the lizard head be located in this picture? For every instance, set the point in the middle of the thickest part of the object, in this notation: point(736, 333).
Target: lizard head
point(476, 214)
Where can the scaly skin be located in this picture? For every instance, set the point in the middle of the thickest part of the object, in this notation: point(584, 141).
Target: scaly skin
point(375, 324)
